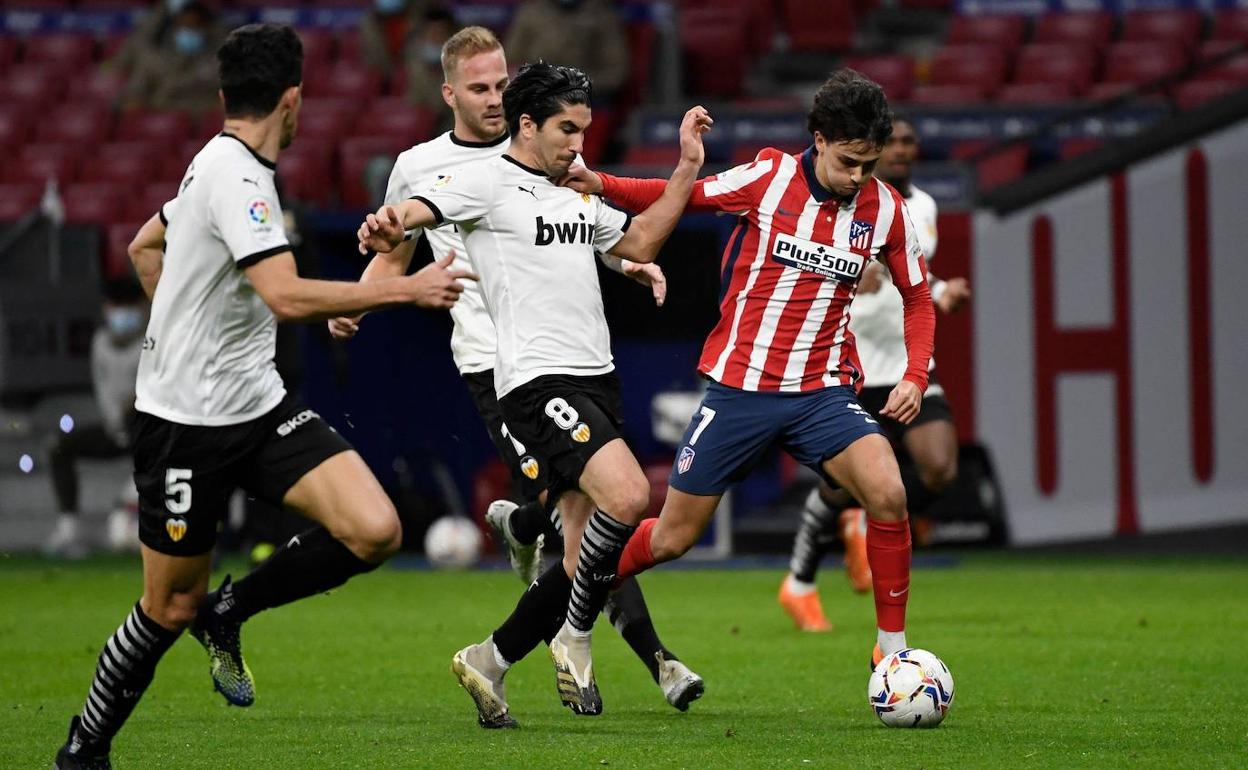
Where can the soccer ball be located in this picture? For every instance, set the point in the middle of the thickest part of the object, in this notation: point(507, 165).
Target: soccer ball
point(453, 542)
point(911, 688)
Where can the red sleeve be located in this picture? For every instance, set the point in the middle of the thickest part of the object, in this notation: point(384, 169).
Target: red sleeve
point(905, 261)
point(735, 191)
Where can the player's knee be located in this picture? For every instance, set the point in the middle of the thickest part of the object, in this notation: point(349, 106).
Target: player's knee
point(886, 501)
point(629, 501)
point(174, 610)
point(939, 476)
point(668, 543)
point(376, 537)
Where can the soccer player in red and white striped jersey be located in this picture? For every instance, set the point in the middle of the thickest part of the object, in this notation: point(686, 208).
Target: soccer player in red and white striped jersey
point(782, 361)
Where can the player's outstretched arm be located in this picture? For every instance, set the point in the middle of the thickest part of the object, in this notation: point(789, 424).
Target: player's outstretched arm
point(651, 228)
point(147, 253)
point(383, 231)
point(437, 286)
point(650, 275)
point(292, 298)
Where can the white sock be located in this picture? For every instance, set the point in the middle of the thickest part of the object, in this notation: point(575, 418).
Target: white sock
point(502, 662)
point(891, 641)
point(798, 587)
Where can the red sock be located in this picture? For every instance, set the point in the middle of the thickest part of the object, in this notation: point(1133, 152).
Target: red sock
point(637, 556)
point(888, 553)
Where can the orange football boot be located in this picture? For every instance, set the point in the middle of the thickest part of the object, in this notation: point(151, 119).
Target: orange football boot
point(854, 535)
point(876, 656)
point(805, 609)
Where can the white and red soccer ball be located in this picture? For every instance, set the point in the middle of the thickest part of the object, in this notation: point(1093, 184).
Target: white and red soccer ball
point(911, 688)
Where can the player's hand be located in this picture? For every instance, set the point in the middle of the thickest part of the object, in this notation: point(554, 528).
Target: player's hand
point(697, 122)
point(957, 293)
point(381, 232)
point(582, 180)
point(437, 286)
point(872, 280)
point(903, 403)
point(648, 274)
point(345, 327)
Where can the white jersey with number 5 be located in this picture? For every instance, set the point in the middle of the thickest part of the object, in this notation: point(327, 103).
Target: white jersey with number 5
point(878, 320)
point(473, 341)
point(534, 245)
point(208, 352)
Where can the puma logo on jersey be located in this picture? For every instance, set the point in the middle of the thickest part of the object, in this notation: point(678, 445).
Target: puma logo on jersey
point(251, 181)
point(564, 232)
point(528, 190)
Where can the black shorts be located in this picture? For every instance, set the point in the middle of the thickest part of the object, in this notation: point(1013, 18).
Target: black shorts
point(934, 408)
point(527, 465)
point(185, 474)
point(565, 419)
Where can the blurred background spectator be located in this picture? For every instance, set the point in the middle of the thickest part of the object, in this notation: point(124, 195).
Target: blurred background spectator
point(178, 71)
point(386, 29)
point(581, 33)
point(424, 66)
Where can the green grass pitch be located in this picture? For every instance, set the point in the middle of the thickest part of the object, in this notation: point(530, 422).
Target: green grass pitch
point(1058, 662)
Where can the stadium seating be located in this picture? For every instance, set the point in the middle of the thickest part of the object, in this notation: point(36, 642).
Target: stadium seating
point(397, 118)
point(1139, 62)
point(8, 52)
point(818, 25)
point(95, 203)
point(87, 122)
point(144, 202)
point(996, 169)
point(1094, 28)
point(97, 85)
point(35, 83)
point(714, 43)
point(355, 155)
point(127, 162)
point(1233, 69)
point(1193, 93)
point(895, 74)
point(319, 46)
point(305, 173)
point(167, 127)
point(935, 95)
point(39, 162)
point(344, 79)
point(1073, 64)
point(17, 199)
point(67, 50)
point(1056, 92)
point(1230, 24)
point(16, 125)
point(980, 66)
point(997, 30)
point(1179, 26)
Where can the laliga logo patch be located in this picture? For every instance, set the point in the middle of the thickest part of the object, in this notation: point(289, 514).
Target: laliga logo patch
point(529, 467)
point(686, 460)
point(580, 432)
point(176, 527)
point(259, 215)
point(443, 181)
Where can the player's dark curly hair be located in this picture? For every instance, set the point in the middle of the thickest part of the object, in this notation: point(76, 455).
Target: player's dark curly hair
point(849, 107)
point(540, 90)
point(256, 64)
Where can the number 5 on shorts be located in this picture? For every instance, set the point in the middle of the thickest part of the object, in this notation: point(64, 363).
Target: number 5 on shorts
point(178, 489)
point(708, 414)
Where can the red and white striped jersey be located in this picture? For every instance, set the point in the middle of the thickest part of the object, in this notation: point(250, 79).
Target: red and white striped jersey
point(791, 269)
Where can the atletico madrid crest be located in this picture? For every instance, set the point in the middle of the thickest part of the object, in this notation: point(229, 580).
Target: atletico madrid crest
point(860, 234)
point(686, 460)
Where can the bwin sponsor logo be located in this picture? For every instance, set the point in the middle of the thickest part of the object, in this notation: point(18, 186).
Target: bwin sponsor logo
point(294, 422)
point(564, 232)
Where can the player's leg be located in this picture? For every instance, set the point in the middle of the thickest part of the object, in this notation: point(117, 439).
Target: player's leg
point(85, 441)
point(172, 589)
point(867, 468)
point(932, 443)
point(626, 609)
point(816, 533)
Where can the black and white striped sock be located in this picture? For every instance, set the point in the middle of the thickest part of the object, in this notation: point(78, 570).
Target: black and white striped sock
point(815, 535)
point(601, 546)
point(123, 672)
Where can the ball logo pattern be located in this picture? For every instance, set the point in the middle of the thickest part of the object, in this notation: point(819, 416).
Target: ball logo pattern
point(911, 688)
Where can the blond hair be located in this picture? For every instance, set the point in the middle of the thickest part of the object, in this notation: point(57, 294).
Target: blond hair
point(464, 44)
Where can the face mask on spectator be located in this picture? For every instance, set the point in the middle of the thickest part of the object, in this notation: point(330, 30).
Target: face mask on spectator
point(188, 41)
point(431, 54)
point(389, 6)
point(123, 322)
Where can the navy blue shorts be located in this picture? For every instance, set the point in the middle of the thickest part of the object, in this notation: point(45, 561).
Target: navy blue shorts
point(733, 430)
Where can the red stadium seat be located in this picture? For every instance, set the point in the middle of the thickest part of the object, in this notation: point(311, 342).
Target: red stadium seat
point(939, 95)
point(39, 162)
point(998, 30)
point(1079, 145)
point(327, 118)
point(17, 200)
point(117, 239)
point(969, 65)
point(1036, 93)
point(1136, 63)
point(996, 169)
point(86, 122)
point(98, 85)
point(36, 83)
point(652, 155)
point(1179, 26)
point(143, 203)
point(1230, 24)
point(895, 74)
point(210, 123)
point(1093, 28)
point(1193, 93)
point(818, 25)
point(345, 79)
point(168, 127)
point(306, 176)
point(95, 203)
point(1070, 63)
point(320, 45)
point(16, 125)
point(397, 118)
point(759, 16)
point(69, 51)
point(8, 51)
point(129, 162)
point(1100, 92)
point(1233, 69)
point(714, 41)
point(356, 155)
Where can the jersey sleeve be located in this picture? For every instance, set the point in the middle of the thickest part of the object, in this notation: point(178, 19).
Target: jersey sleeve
point(248, 217)
point(397, 189)
point(734, 191)
point(610, 224)
point(904, 257)
point(460, 196)
point(167, 211)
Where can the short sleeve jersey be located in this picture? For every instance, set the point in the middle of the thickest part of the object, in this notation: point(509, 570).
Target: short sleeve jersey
point(877, 318)
point(208, 351)
point(533, 244)
point(473, 341)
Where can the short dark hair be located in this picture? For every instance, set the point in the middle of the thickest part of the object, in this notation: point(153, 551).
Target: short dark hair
point(849, 107)
point(256, 64)
point(541, 90)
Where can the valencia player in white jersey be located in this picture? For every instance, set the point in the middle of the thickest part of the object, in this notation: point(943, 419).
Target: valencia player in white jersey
point(476, 73)
point(931, 439)
point(533, 244)
point(213, 414)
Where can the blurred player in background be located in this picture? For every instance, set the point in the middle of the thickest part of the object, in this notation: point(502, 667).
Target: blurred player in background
point(475, 72)
point(534, 245)
point(931, 439)
point(213, 413)
point(783, 366)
